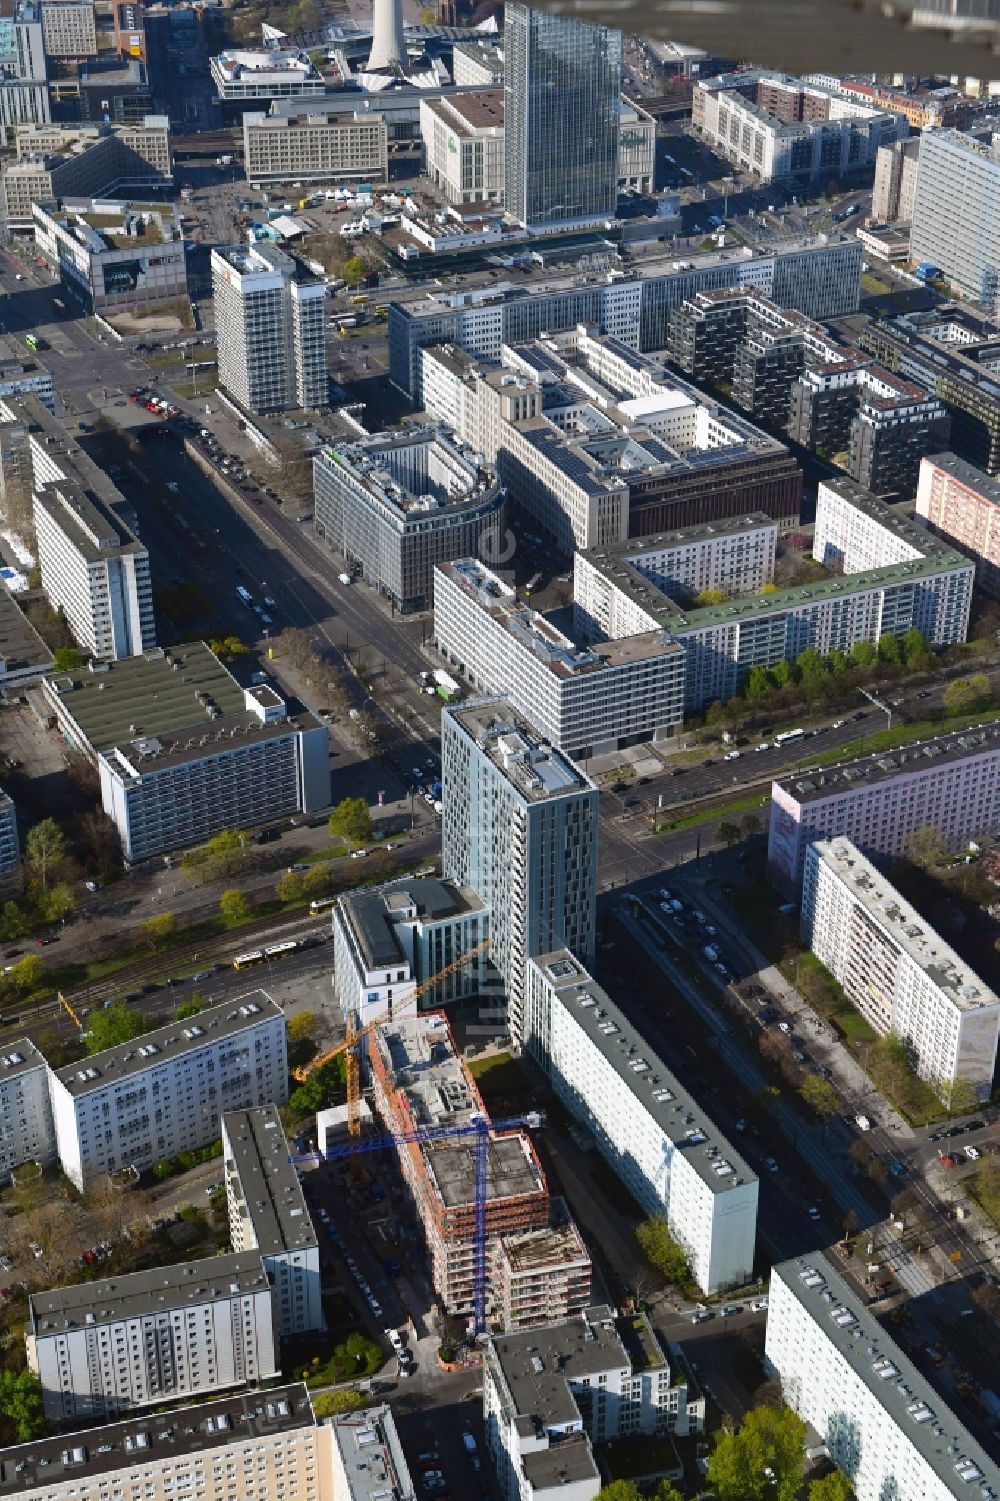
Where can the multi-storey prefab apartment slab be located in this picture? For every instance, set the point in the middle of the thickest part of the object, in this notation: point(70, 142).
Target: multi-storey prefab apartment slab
point(655, 1136)
point(103, 1348)
point(164, 1092)
point(26, 1132)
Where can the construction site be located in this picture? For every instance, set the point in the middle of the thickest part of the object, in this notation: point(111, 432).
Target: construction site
point(501, 1218)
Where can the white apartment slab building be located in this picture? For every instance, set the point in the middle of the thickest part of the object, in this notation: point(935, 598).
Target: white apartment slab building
point(899, 973)
point(520, 828)
point(652, 1133)
point(314, 147)
point(271, 335)
point(551, 1391)
point(253, 1446)
point(951, 781)
point(389, 939)
point(586, 700)
point(26, 1130)
point(104, 1348)
point(94, 569)
point(960, 503)
point(268, 1214)
point(164, 1092)
point(956, 220)
point(52, 162)
point(367, 1459)
point(884, 1425)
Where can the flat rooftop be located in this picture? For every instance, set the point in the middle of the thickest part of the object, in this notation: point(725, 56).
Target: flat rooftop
point(636, 549)
point(983, 485)
point(159, 693)
point(539, 1364)
point(564, 658)
point(264, 1182)
point(908, 1400)
point(419, 1052)
point(912, 932)
point(21, 647)
point(375, 914)
point(512, 1170)
point(79, 1459)
point(535, 770)
point(646, 1077)
point(19, 1057)
point(164, 1045)
point(937, 754)
point(372, 1456)
point(418, 473)
point(89, 525)
point(481, 111)
point(151, 753)
point(138, 1294)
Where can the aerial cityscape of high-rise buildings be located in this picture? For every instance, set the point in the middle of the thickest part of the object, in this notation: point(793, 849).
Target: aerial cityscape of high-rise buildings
point(498, 539)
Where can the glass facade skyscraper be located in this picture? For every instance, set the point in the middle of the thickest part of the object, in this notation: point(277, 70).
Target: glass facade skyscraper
point(562, 84)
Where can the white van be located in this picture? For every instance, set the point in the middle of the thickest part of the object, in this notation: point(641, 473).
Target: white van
point(862, 1122)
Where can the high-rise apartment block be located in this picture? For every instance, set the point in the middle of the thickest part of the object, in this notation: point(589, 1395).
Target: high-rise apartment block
point(94, 569)
point(53, 162)
point(537, 1266)
point(962, 504)
point(398, 502)
point(26, 1130)
point(898, 972)
point(951, 352)
point(10, 844)
point(790, 129)
point(787, 371)
point(586, 700)
point(24, 92)
point(271, 333)
point(562, 83)
point(881, 1421)
point(367, 1459)
point(549, 1392)
point(103, 1348)
point(952, 782)
point(821, 279)
point(387, 940)
point(956, 212)
point(666, 1151)
point(520, 828)
point(69, 28)
point(255, 1446)
point(896, 168)
point(162, 1094)
point(268, 1214)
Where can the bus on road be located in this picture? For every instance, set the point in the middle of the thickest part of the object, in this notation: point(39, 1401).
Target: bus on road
point(787, 735)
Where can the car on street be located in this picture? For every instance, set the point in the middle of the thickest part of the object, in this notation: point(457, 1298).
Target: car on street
point(812, 1212)
point(770, 1164)
point(784, 1027)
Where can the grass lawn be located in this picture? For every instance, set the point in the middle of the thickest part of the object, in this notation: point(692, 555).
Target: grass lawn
point(905, 734)
point(500, 1077)
point(873, 286)
point(186, 388)
point(710, 815)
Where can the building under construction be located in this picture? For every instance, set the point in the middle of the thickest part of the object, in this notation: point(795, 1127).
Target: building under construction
point(537, 1266)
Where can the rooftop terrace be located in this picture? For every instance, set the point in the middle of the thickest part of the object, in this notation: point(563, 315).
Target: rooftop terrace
point(535, 770)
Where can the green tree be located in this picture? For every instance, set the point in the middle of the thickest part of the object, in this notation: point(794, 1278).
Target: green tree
point(233, 906)
point(316, 881)
point(14, 921)
point(21, 1403)
point(730, 832)
point(159, 930)
point(837, 663)
point(832, 1487)
point(26, 974)
point(666, 1491)
point(711, 597)
point(916, 649)
point(863, 654)
point(190, 1008)
point(783, 673)
point(819, 1095)
point(763, 1458)
point(770, 589)
point(229, 648)
point(354, 271)
point(750, 825)
point(661, 1250)
point(351, 820)
point(715, 715)
point(311, 1096)
point(810, 663)
point(758, 685)
point(967, 695)
point(301, 1025)
point(58, 902)
point(66, 659)
point(289, 887)
point(889, 650)
point(118, 1024)
point(620, 1490)
point(225, 850)
point(44, 848)
point(926, 846)
point(329, 1404)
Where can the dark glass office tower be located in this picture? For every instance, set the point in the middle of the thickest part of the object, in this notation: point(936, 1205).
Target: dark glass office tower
point(562, 84)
